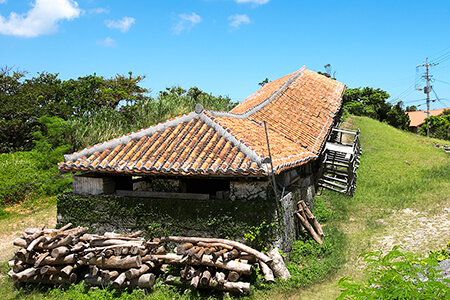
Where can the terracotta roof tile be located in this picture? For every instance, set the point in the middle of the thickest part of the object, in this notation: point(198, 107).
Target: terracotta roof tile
point(298, 109)
point(418, 117)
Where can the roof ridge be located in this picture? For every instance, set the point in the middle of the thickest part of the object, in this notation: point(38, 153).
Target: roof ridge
point(263, 103)
point(128, 137)
point(227, 134)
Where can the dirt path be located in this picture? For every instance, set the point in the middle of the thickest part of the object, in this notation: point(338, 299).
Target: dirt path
point(12, 227)
point(417, 231)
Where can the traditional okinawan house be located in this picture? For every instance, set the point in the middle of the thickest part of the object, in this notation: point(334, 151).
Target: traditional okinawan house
point(212, 173)
point(418, 117)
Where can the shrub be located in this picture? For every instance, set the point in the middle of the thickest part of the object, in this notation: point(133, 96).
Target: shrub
point(397, 275)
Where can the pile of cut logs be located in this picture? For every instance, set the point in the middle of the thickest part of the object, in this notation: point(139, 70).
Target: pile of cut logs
point(48, 256)
point(65, 256)
point(309, 221)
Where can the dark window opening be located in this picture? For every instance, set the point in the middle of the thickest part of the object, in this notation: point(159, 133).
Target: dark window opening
point(205, 186)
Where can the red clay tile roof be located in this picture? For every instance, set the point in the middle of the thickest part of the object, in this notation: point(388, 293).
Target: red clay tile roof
point(299, 110)
point(418, 117)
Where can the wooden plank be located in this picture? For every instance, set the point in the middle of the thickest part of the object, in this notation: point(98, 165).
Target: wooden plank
point(162, 195)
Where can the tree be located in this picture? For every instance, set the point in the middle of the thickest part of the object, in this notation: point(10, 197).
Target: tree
point(372, 103)
point(24, 101)
point(411, 108)
point(397, 117)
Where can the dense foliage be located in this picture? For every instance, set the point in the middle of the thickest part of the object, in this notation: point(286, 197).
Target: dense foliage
point(397, 275)
point(439, 126)
point(118, 103)
point(371, 102)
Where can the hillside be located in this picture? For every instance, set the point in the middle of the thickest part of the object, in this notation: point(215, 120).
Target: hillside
point(402, 197)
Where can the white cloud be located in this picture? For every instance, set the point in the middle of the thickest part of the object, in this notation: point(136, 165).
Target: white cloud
point(42, 18)
point(98, 11)
point(186, 22)
point(3, 1)
point(237, 20)
point(123, 25)
point(108, 42)
point(257, 2)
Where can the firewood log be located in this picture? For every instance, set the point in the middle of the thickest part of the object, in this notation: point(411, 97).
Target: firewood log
point(65, 260)
point(309, 228)
point(19, 267)
point(24, 275)
point(50, 270)
point(278, 267)
point(195, 279)
point(191, 252)
point(187, 273)
point(110, 275)
point(34, 243)
point(60, 251)
point(206, 276)
point(233, 276)
point(124, 250)
point(40, 258)
point(134, 272)
point(217, 245)
point(145, 281)
point(114, 242)
point(19, 242)
point(134, 250)
point(63, 242)
point(231, 255)
point(67, 270)
point(220, 277)
point(199, 253)
point(161, 250)
point(24, 255)
point(312, 218)
point(237, 245)
point(219, 253)
point(181, 249)
point(80, 246)
point(119, 281)
point(267, 272)
point(210, 250)
point(115, 262)
point(250, 259)
point(96, 280)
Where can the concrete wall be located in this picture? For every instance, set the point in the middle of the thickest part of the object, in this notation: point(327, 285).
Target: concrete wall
point(84, 185)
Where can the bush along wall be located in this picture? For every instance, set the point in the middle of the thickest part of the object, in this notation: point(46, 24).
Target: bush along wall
point(253, 222)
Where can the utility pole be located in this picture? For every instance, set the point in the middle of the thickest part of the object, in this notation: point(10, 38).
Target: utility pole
point(427, 89)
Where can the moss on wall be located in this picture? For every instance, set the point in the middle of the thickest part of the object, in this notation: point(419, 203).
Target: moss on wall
point(254, 220)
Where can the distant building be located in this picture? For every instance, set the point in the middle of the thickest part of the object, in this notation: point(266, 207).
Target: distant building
point(418, 117)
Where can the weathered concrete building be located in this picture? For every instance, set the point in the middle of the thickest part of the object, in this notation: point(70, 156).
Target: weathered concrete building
point(243, 169)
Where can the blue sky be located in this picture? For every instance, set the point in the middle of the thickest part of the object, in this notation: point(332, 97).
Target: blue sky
point(225, 47)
